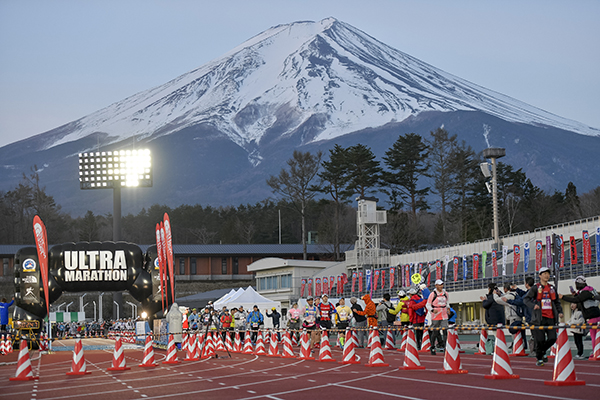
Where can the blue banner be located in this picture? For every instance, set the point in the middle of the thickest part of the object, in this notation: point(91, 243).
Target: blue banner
point(465, 268)
point(598, 244)
point(368, 275)
point(525, 257)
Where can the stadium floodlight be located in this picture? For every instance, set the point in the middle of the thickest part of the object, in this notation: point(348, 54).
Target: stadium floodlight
point(485, 169)
point(115, 169)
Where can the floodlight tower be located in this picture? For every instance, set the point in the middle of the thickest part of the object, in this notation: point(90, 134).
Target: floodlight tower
point(494, 153)
point(115, 170)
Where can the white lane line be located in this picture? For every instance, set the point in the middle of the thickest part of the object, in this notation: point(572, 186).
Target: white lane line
point(345, 386)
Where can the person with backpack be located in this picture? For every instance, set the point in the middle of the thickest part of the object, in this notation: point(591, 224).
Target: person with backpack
point(587, 300)
point(385, 318)
point(521, 309)
point(546, 311)
point(437, 305)
point(511, 312)
point(416, 311)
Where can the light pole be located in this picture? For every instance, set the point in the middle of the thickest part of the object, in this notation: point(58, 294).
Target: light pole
point(94, 301)
point(81, 301)
point(68, 306)
point(58, 308)
point(133, 309)
point(494, 153)
point(114, 170)
point(100, 306)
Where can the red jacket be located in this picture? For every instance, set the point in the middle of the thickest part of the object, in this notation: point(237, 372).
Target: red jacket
point(415, 303)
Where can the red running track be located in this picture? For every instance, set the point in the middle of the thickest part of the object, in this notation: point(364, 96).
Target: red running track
point(261, 377)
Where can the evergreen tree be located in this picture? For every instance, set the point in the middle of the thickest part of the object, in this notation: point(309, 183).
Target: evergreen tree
point(363, 170)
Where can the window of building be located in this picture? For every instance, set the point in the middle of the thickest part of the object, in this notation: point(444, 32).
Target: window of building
point(235, 266)
point(193, 266)
point(286, 281)
point(5, 269)
point(224, 266)
point(181, 266)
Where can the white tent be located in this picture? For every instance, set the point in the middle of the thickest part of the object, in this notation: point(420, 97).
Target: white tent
point(225, 297)
point(250, 298)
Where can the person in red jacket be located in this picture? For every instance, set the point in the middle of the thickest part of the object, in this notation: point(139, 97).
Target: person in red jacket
point(416, 313)
point(370, 311)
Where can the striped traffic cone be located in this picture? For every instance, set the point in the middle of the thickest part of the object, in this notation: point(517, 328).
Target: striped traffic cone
point(259, 350)
point(389, 341)
point(305, 347)
point(237, 343)
point(228, 343)
point(452, 364)
point(24, 372)
point(426, 343)
point(349, 356)
point(372, 337)
point(553, 351)
point(273, 346)
point(171, 352)
point(518, 349)
point(295, 339)
point(376, 354)
point(411, 355)
point(404, 339)
point(460, 350)
point(288, 350)
point(78, 365)
point(325, 349)
point(564, 368)
point(219, 342)
point(483, 337)
point(595, 355)
point(192, 352)
point(2, 346)
point(501, 368)
point(208, 350)
point(148, 361)
point(199, 345)
point(8, 345)
point(184, 343)
point(247, 345)
point(118, 362)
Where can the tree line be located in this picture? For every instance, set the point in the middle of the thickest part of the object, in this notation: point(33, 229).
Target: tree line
point(432, 188)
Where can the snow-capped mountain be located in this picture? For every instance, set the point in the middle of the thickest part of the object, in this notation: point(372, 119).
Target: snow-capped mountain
point(302, 84)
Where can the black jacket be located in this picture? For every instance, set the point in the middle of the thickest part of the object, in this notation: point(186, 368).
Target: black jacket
point(530, 300)
point(580, 297)
point(494, 312)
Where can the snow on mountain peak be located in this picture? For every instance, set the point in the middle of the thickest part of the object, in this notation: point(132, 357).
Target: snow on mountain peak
point(280, 78)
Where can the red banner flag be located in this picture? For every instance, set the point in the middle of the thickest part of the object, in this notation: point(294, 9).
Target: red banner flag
point(538, 254)
point(360, 283)
point(41, 244)
point(325, 286)
point(302, 287)
point(310, 285)
point(383, 278)
point(392, 276)
point(573, 247)
point(375, 279)
point(161, 266)
point(475, 266)
point(340, 285)
point(494, 263)
point(455, 268)
point(438, 269)
point(429, 273)
point(318, 287)
point(165, 264)
point(516, 257)
point(587, 248)
point(562, 252)
point(331, 282)
point(353, 282)
point(169, 242)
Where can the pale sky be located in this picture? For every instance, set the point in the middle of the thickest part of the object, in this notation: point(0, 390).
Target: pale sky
point(63, 59)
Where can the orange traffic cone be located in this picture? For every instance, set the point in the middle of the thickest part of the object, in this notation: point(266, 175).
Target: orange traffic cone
point(518, 346)
point(483, 336)
point(305, 347)
point(191, 351)
point(325, 350)
point(404, 339)
point(389, 341)
point(376, 354)
point(247, 344)
point(501, 368)
point(452, 364)
point(564, 368)
point(148, 361)
point(171, 352)
point(219, 342)
point(78, 365)
point(24, 372)
point(273, 349)
point(594, 356)
point(349, 356)
point(237, 343)
point(411, 355)
point(259, 350)
point(288, 350)
point(118, 362)
point(426, 343)
point(2, 350)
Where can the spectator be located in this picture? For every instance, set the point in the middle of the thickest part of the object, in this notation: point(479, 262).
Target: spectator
point(293, 316)
point(254, 321)
point(193, 319)
point(360, 322)
point(546, 311)
point(240, 317)
point(437, 304)
point(578, 333)
point(385, 316)
point(275, 316)
point(494, 312)
point(526, 311)
point(416, 311)
point(370, 311)
point(4, 312)
point(587, 302)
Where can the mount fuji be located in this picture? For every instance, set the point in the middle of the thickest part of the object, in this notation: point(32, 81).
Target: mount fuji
point(217, 132)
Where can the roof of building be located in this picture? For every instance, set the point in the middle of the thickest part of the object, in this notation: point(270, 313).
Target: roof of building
point(218, 249)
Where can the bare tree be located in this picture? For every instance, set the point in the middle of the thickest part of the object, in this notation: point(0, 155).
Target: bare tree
point(294, 184)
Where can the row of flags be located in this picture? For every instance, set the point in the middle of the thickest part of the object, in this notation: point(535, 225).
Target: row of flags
point(164, 248)
point(460, 267)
